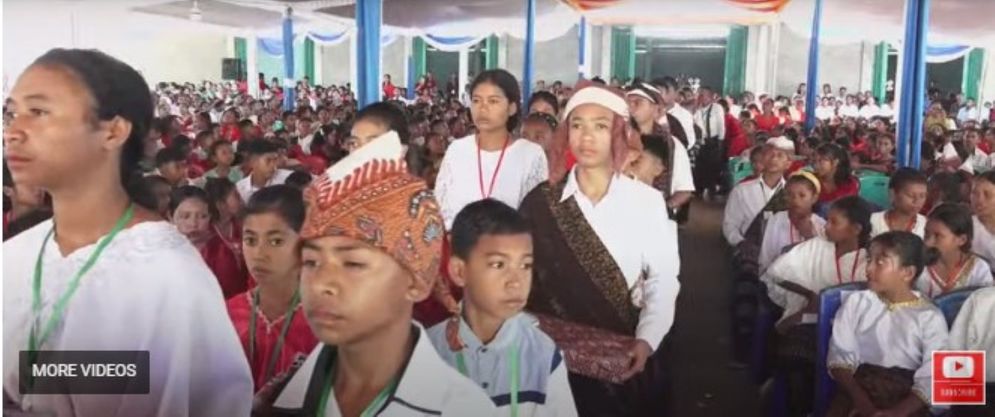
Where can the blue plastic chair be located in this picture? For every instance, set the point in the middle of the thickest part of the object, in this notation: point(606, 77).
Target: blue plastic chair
point(951, 302)
point(830, 300)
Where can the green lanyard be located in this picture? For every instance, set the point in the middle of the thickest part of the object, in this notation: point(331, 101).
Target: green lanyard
point(287, 318)
point(38, 336)
point(512, 369)
point(371, 410)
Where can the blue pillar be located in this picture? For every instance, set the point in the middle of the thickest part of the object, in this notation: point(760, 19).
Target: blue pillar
point(912, 99)
point(411, 78)
point(368, 21)
point(289, 84)
point(582, 31)
point(530, 40)
point(813, 68)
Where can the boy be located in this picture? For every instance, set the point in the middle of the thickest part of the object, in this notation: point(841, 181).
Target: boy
point(263, 157)
point(493, 342)
point(749, 197)
point(652, 161)
point(171, 164)
point(371, 250)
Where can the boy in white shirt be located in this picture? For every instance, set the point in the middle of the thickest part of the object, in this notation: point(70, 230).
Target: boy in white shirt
point(749, 197)
point(493, 342)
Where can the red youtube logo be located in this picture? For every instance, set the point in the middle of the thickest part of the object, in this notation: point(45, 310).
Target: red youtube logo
point(959, 378)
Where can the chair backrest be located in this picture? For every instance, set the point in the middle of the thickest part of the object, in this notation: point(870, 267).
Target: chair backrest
point(830, 300)
point(951, 302)
point(874, 189)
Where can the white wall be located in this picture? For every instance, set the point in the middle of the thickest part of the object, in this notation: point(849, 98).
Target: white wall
point(161, 49)
point(555, 60)
point(336, 64)
point(393, 60)
point(847, 65)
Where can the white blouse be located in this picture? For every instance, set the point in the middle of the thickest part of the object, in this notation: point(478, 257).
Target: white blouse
point(984, 243)
point(879, 225)
point(814, 266)
point(974, 273)
point(780, 234)
point(869, 330)
point(973, 328)
point(631, 221)
point(149, 291)
point(458, 183)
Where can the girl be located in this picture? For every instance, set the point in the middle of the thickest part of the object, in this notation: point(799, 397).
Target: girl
point(908, 192)
point(228, 205)
point(593, 226)
point(506, 169)
point(795, 225)
point(230, 130)
point(539, 128)
point(268, 318)
point(794, 281)
point(882, 157)
point(983, 204)
point(880, 353)
point(952, 265)
point(192, 214)
point(544, 102)
point(832, 166)
point(79, 118)
point(222, 154)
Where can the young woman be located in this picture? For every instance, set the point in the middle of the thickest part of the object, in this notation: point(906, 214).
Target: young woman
point(908, 190)
point(983, 205)
point(491, 163)
point(832, 166)
point(883, 337)
point(79, 119)
point(544, 102)
point(794, 281)
point(601, 241)
point(193, 214)
point(268, 318)
point(796, 224)
point(228, 205)
point(952, 265)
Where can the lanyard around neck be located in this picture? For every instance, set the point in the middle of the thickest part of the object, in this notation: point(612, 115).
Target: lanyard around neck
point(371, 410)
point(853, 271)
point(287, 318)
point(39, 334)
point(480, 169)
point(513, 369)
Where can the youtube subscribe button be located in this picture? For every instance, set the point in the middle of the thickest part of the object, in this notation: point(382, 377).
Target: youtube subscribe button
point(959, 378)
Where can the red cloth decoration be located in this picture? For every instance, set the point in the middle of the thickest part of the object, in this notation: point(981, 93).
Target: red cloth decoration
point(765, 6)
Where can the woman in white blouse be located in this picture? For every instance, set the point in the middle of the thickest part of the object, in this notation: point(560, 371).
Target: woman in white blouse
point(605, 251)
point(492, 163)
point(107, 273)
point(983, 205)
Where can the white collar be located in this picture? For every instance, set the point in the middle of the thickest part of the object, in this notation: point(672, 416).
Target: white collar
point(572, 187)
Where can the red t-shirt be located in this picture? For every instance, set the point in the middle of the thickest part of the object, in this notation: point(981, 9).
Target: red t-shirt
point(767, 123)
point(226, 266)
point(849, 188)
point(735, 137)
point(300, 341)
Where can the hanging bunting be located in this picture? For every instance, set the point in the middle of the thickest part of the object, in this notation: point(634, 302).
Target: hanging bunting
point(766, 6)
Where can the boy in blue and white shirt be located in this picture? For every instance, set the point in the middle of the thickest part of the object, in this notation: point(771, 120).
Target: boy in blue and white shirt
point(493, 342)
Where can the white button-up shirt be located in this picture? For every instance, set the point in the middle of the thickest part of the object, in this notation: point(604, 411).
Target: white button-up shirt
point(687, 122)
point(745, 201)
point(712, 120)
point(632, 222)
point(246, 189)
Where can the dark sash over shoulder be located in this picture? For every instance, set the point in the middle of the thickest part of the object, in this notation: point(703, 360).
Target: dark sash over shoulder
point(575, 278)
point(747, 253)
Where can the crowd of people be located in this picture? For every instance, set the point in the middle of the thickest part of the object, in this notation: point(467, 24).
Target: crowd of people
point(478, 255)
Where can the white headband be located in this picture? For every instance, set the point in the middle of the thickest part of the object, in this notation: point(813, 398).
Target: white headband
point(599, 96)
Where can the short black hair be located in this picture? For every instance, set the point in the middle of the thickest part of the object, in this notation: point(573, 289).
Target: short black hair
point(948, 185)
point(169, 154)
point(657, 146)
point(203, 134)
point(906, 176)
point(218, 189)
point(547, 97)
point(666, 83)
point(508, 84)
point(957, 218)
point(213, 150)
point(549, 120)
point(298, 179)
point(988, 177)
point(907, 246)
point(389, 115)
point(186, 192)
point(484, 217)
point(858, 212)
point(258, 147)
point(282, 200)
